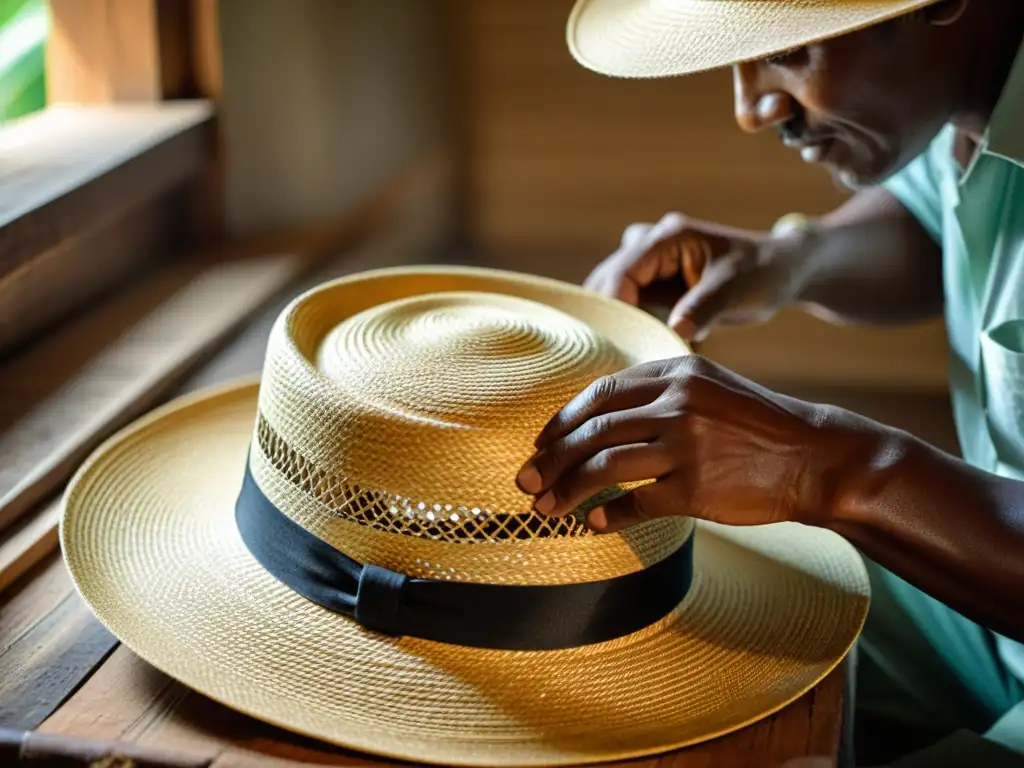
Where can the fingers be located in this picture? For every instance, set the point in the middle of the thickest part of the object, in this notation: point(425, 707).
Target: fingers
point(631, 388)
point(638, 262)
point(638, 425)
point(639, 505)
point(603, 470)
point(695, 313)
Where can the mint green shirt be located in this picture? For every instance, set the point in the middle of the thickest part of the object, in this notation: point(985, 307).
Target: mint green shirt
point(977, 215)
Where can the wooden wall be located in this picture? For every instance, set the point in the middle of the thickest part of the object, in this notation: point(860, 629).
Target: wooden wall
point(324, 100)
point(557, 160)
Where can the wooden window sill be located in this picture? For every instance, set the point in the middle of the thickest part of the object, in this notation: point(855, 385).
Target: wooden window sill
point(66, 166)
point(88, 196)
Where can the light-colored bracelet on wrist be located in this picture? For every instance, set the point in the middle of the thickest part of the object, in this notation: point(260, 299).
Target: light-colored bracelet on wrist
point(792, 224)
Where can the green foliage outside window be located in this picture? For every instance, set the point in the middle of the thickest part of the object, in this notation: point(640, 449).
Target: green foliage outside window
point(24, 25)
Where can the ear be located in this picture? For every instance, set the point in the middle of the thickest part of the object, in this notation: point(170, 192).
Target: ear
point(945, 12)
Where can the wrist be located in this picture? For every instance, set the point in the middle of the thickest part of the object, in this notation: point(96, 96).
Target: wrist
point(789, 248)
point(854, 461)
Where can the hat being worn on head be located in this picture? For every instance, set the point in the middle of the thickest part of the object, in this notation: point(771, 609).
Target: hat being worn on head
point(665, 38)
point(340, 548)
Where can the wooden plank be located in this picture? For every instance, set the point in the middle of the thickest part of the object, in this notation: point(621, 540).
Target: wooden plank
point(33, 748)
point(116, 51)
point(27, 543)
point(207, 62)
point(32, 598)
point(103, 51)
point(67, 278)
point(129, 701)
point(47, 637)
point(61, 397)
point(69, 169)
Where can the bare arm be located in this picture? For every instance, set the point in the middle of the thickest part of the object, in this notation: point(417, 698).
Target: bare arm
point(870, 262)
point(953, 531)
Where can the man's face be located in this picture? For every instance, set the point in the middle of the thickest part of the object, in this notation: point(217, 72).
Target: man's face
point(863, 104)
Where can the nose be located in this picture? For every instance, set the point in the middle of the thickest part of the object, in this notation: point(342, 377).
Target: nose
point(760, 103)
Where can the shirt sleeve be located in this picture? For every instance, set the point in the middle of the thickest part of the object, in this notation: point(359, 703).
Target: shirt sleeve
point(919, 185)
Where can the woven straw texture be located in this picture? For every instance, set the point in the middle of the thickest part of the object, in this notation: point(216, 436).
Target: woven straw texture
point(401, 403)
point(149, 536)
point(665, 38)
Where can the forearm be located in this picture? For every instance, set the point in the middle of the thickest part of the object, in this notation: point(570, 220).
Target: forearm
point(870, 262)
point(953, 531)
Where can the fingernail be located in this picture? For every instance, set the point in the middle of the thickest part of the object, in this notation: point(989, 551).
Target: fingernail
point(545, 503)
point(597, 519)
point(529, 479)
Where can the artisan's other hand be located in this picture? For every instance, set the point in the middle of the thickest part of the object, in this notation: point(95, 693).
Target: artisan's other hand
point(721, 448)
point(708, 274)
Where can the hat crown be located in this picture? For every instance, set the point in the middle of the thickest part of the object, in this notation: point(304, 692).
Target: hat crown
point(466, 359)
point(397, 408)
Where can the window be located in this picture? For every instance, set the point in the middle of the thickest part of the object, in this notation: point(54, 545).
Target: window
point(24, 25)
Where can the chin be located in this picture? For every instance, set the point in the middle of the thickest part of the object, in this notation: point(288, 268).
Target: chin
point(858, 168)
point(846, 179)
point(854, 178)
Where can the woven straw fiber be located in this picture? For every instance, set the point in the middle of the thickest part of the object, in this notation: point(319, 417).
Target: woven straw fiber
point(406, 401)
point(665, 38)
point(149, 537)
point(411, 417)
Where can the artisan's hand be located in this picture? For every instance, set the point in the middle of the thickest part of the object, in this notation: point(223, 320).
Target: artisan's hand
point(720, 447)
point(708, 274)
point(724, 449)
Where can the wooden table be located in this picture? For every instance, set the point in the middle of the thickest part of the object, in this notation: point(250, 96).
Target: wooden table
point(62, 673)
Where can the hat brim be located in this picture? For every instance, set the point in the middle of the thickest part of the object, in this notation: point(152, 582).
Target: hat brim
point(644, 39)
point(149, 537)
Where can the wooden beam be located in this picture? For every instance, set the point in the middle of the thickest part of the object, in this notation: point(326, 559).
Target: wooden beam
point(28, 544)
point(64, 395)
point(69, 169)
point(103, 51)
point(110, 51)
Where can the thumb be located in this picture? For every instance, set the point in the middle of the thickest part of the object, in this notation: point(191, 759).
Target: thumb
point(699, 308)
point(640, 504)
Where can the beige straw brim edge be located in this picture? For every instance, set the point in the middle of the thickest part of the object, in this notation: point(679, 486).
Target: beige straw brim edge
point(638, 39)
point(132, 629)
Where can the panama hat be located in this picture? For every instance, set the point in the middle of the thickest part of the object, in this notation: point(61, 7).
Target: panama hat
point(339, 547)
point(664, 38)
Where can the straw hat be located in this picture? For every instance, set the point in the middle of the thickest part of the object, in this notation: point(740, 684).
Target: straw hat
point(663, 38)
point(340, 548)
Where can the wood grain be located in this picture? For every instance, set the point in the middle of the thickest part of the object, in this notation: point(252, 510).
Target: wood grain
point(47, 638)
point(31, 748)
point(103, 51)
point(54, 285)
point(129, 701)
point(61, 397)
point(67, 170)
point(28, 542)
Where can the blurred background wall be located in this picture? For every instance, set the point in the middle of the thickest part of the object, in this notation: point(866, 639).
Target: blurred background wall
point(323, 101)
point(549, 162)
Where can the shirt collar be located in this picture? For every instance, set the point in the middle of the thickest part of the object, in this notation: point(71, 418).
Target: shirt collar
point(1005, 134)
